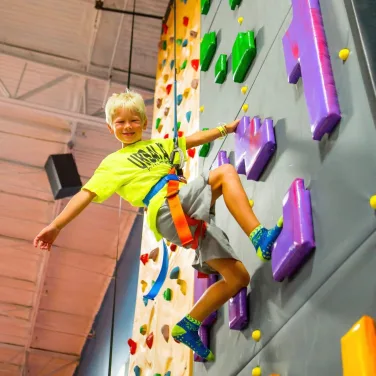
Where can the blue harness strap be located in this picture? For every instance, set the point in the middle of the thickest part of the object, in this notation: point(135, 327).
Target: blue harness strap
point(158, 186)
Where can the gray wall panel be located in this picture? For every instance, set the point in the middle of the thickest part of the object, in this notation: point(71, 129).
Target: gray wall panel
point(339, 171)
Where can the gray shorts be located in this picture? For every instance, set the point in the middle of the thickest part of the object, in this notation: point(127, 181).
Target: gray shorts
point(195, 199)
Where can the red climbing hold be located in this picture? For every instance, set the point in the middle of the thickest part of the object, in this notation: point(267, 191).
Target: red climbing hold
point(191, 152)
point(185, 21)
point(195, 63)
point(166, 135)
point(132, 346)
point(165, 28)
point(149, 340)
point(168, 88)
point(144, 258)
point(180, 134)
point(173, 247)
point(202, 275)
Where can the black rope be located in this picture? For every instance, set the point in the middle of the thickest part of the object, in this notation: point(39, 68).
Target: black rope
point(118, 235)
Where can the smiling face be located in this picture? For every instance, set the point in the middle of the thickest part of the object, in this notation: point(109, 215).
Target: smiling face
point(127, 126)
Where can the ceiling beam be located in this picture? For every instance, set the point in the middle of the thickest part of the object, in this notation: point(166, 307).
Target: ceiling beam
point(77, 68)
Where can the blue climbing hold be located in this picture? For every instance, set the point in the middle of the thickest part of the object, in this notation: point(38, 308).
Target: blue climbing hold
point(163, 62)
point(146, 301)
point(172, 64)
point(180, 98)
point(185, 43)
point(137, 371)
point(188, 116)
point(175, 273)
point(168, 373)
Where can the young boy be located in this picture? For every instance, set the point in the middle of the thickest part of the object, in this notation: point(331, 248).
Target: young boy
point(133, 170)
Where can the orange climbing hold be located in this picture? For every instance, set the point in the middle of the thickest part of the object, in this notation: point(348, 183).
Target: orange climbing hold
point(358, 347)
point(150, 340)
point(132, 346)
point(144, 258)
point(195, 64)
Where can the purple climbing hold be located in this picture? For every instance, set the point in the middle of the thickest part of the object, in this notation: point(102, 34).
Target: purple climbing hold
point(296, 240)
point(222, 158)
point(238, 310)
point(203, 333)
point(307, 56)
point(254, 146)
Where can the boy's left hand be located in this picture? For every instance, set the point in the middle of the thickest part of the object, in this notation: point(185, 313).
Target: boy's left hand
point(231, 127)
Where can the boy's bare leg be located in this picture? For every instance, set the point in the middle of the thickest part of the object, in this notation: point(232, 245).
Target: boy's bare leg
point(235, 276)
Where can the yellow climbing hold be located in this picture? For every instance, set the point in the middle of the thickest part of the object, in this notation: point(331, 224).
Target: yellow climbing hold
point(251, 202)
point(256, 371)
point(244, 89)
point(240, 20)
point(372, 202)
point(143, 285)
point(183, 286)
point(202, 108)
point(165, 77)
point(245, 107)
point(256, 335)
point(344, 54)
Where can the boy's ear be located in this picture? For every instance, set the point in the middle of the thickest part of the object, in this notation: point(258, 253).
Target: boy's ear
point(145, 124)
point(110, 128)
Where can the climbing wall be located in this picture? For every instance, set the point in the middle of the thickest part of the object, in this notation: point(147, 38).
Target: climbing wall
point(305, 148)
point(154, 350)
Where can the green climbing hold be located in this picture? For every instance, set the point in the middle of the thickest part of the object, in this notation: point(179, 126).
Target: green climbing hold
point(175, 273)
point(164, 45)
point(167, 294)
point(221, 69)
point(178, 124)
point(205, 148)
point(207, 50)
point(184, 65)
point(205, 6)
point(179, 42)
point(243, 54)
point(158, 122)
point(143, 329)
point(152, 282)
point(157, 374)
point(234, 3)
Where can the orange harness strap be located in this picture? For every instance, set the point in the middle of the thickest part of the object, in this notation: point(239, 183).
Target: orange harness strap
point(180, 219)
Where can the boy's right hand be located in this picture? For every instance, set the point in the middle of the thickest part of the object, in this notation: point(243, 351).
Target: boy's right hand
point(46, 237)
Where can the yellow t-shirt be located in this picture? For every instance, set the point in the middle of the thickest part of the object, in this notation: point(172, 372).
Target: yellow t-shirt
point(132, 171)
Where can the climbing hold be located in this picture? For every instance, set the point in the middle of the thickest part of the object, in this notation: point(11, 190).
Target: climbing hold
point(137, 371)
point(234, 4)
point(207, 50)
point(178, 125)
point(144, 284)
point(188, 116)
point(205, 6)
point(146, 301)
point(185, 43)
point(149, 340)
point(194, 83)
point(172, 64)
point(153, 255)
point(164, 45)
point(166, 136)
point(157, 374)
point(191, 152)
point(251, 202)
point(238, 310)
point(186, 92)
point(344, 54)
point(167, 294)
point(256, 335)
point(159, 129)
point(222, 158)
point(243, 53)
point(179, 98)
point(132, 346)
point(193, 34)
point(168, 373)
point(166, 111)
point(184, 65)
point(180, 134)
point(202, 108)
point(168, 88)
point(165, 77)
point(185, 21)
point(175, 273)
point(173, 247)
point(372, 202)
point(296, 240)
point(179, 41)
point(256, 371)
point(195, 64)
point(164, 28)
point(254, 146)
point(245, 107)
point(158, 122)
point(201, 275)
point(163, 62)
point(183, 286)
point(143, 329)
point(144, 258)
point(244, 89)
point(159, 102)
point(221, 69)
point(204, 150)
point(240, 20)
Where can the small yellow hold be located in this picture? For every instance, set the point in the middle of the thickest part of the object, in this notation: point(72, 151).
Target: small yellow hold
point(244, 89)
point(251, 202)
point(256, 335)
point(202, 108)
point(256, 371)
point(245, 107)
point(166, 77)
point(240, 20)
point(344, 54)
point(143, 285)
point(372, 202)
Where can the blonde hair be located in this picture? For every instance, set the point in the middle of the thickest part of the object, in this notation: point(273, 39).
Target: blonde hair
point(130, 100)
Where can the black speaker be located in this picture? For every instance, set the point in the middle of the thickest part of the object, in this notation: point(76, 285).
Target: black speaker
point(63, 175)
